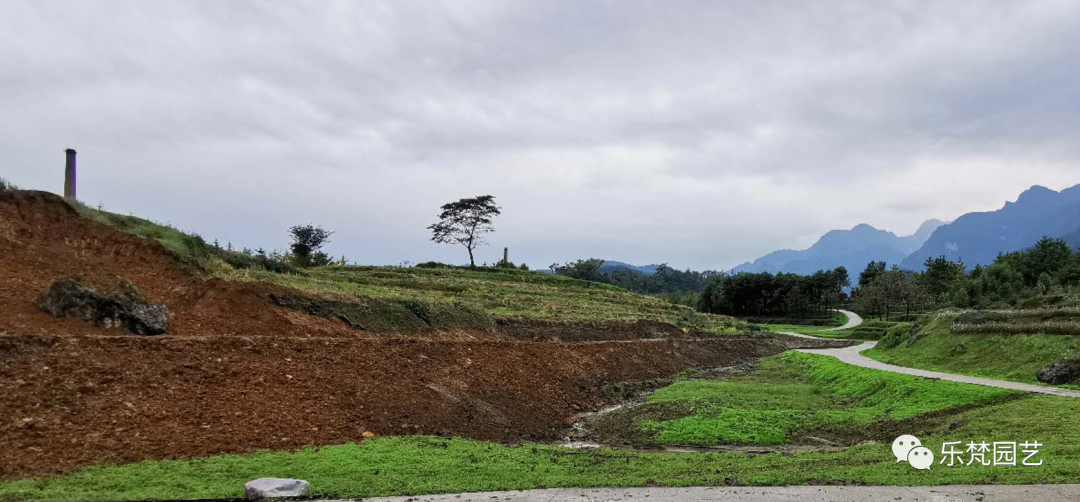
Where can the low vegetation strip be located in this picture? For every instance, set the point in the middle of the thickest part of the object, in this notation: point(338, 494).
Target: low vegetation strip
point(503, 293)
point(1062, 327)
point(1049, 321)
point(789, 398)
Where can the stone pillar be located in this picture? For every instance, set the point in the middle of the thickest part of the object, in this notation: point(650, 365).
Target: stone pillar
point(69, 174)
point(506, 255)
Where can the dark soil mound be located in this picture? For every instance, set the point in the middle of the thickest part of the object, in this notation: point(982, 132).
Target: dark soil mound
point(535, 329)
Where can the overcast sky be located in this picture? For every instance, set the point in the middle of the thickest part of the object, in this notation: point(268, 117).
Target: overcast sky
point(702, 134)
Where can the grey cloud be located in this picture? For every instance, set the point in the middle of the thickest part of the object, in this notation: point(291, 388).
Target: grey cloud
point(698, 133)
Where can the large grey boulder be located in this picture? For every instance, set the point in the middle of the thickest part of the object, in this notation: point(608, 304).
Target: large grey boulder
point(1059, 372)
point(126, 309)
point(265, 488)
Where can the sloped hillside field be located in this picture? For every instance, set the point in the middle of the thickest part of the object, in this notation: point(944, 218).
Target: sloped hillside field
point(254, 360)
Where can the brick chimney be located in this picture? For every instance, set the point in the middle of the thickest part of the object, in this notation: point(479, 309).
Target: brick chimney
point(69, 174)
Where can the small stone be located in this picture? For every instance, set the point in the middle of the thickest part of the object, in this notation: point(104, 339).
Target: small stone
point(265, 488)
point(1059, 372)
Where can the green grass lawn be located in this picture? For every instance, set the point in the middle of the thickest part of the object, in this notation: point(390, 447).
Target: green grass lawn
point(412, 465)
point(794, 395)
point(1007, 357)
point(838, 319)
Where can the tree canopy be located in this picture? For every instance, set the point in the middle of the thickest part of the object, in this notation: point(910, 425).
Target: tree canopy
point(307, 242)
point(465, 222)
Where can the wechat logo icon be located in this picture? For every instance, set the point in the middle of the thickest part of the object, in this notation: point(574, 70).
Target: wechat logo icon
point(908, 448)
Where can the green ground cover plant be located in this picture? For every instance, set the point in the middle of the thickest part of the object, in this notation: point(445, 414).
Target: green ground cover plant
point(796, 394)
point(936, 346)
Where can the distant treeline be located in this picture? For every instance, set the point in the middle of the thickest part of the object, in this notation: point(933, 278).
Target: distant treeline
point(780, 295)
point(680, 286)
point(744, 294)
point(1047, 273)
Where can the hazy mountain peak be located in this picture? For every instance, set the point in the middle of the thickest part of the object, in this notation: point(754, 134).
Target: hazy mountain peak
point(977, 238)
point(851, 249)
point(1035, 194)
point(866, 228)
point(927, 227)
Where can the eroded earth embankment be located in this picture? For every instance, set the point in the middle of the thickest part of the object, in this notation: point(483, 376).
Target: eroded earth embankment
point(238, 373)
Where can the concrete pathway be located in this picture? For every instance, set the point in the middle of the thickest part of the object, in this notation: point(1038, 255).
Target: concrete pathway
point(853, 320)
point(987, 493)
point(851, 355)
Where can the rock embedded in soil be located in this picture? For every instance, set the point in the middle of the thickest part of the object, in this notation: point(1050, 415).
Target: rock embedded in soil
point(1059, 372)
point(265, 488)
point(69, 298)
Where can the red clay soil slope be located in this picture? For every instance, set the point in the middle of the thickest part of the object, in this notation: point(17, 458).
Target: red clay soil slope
point(43, 239)
point(237, 374)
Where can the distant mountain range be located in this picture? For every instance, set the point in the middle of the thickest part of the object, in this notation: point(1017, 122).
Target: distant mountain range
point(610, 266)
point(975, 238)
point(852, 249)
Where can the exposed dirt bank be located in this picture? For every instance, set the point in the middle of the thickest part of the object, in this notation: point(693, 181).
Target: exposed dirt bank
point(238, 373)
point(541, 330)
point(70, 401)
point(43, 239)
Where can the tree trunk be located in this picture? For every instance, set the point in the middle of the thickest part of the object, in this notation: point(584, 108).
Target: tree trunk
point(472, 263)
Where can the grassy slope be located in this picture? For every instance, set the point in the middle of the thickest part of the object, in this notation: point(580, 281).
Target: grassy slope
point(806, 329)
point(868, 330)
point(507, 293)
point(418, 465)
point(1006, 357)
point(796, 394)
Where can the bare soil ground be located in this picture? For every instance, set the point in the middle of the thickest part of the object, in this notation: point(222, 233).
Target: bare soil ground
point(237, 373)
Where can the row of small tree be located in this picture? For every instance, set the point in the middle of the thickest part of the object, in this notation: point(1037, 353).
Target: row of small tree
point(665, 280)
point(780, 295)
point(1048, 267)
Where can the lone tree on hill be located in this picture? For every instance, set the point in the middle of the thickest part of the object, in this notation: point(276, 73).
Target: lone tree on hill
point(465, 222)
point(307, 240)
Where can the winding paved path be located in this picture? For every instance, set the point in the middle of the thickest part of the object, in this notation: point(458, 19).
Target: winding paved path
point(853, 320)
point(852, 355)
